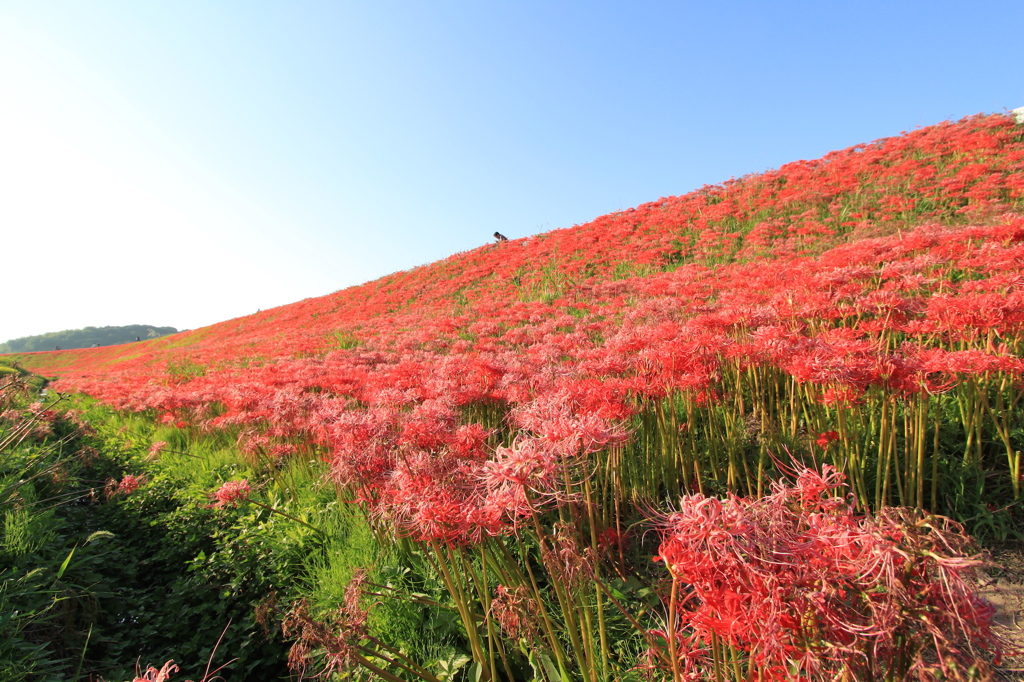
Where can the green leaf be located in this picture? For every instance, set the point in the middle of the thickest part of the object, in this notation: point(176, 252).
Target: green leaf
point(64, 566)
point(549, 667)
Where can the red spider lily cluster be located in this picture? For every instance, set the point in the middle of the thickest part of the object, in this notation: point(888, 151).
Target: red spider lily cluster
point(841, 308)
point(128, 484)
point(231, 493)
point(809, 590)
point(895, 314)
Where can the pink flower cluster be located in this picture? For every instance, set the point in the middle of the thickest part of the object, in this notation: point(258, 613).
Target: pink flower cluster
point(129, 483)
point(231, 493)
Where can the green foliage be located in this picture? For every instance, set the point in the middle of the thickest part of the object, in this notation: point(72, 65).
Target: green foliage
point(85, 338)
point(409, 608)
point(49, 580)
point(11, 369)
point(548, 284)
point(93, 577)
point(184, 370)
point(345, 340)
point(186, 571)
point(25, 532)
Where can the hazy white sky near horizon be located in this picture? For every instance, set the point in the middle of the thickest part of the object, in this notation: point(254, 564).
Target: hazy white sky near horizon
point(184, 163)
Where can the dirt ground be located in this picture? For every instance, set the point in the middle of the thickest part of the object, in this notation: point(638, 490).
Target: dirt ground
point(1003, 585)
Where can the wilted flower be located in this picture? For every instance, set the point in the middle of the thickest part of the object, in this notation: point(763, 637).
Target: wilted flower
point(154, 675)
point(338, 636)
point(566, 559)
point(516, 611)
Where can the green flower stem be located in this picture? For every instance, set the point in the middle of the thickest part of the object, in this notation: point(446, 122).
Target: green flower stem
point(274, 510)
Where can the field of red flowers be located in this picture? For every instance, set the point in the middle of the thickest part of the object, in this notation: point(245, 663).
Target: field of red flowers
point(530, 414)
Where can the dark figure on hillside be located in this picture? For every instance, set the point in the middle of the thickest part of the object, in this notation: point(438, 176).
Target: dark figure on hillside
point(137, 338)
point(57, 348)
point(500, 237)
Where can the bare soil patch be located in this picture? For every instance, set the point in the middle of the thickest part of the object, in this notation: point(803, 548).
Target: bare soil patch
point(1003, 584)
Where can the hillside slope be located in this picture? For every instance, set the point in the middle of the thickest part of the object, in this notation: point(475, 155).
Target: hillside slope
point(951, 173)
point(888, 269)
point(576, 402)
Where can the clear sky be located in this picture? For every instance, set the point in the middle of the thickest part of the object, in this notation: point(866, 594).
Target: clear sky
point(181, 163)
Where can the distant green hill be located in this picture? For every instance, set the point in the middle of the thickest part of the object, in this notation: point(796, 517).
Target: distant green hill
point(85, 338)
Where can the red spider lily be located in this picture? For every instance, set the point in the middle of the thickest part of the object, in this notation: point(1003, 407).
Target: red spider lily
point(825, 439)
point(612, 542)
point(840, 172)
point(129, 483)
point(795, 578)
point(231, 493)
point(533, 463)
point(154, 675)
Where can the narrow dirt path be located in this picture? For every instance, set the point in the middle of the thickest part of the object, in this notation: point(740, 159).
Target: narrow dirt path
point(1003, 585)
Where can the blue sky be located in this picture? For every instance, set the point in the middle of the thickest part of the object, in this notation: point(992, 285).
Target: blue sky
point(188, 162)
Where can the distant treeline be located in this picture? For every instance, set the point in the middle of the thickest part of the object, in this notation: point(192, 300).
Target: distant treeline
point(85, 338)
